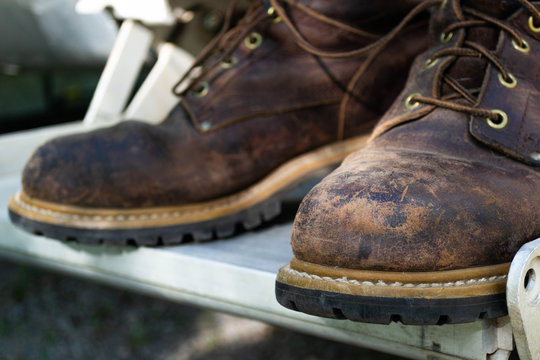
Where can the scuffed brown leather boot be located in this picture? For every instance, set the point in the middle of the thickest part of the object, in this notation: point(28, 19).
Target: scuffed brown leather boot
point(421, 225)
point(278, 101)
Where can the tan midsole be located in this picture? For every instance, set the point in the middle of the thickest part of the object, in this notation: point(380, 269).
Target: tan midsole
point(477, 281)
point(101, 218)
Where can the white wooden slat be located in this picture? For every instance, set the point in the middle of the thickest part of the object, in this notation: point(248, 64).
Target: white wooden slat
point(120, 74)
point(155, 98)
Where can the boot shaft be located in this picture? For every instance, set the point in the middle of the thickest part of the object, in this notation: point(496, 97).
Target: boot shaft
point(295, 77)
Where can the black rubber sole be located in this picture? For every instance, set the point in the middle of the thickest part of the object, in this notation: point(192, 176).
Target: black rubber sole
point(156, 236)
point(222, 227)
point(383, 310)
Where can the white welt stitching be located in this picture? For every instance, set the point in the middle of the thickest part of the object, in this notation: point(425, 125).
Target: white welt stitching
point(345, 280)
point(119, 218)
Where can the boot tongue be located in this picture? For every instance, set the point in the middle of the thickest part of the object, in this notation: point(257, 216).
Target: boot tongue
point(469, 71)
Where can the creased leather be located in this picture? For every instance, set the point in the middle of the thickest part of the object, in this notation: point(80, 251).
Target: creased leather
point(243, 93)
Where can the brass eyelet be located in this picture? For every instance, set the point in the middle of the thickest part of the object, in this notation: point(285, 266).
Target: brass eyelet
point(534, 28)
point(446, 37)
point(509, 84)
point(228, 63)
point(409, 104)
point(253, 41)
point(201, 89)
point(205, 126)
point(273, 14)
point(430, 63)
point(524, 49)
point(502, 116)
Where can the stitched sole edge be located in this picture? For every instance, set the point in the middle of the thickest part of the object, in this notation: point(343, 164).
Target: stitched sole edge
point(222, 227)
point(457, 283)
point(422, 298)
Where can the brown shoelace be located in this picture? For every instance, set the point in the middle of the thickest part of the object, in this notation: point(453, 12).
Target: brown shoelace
point(472, 49)
point(220, 49)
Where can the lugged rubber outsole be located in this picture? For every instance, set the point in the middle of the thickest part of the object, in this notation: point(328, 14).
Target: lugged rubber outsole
point(383, 310)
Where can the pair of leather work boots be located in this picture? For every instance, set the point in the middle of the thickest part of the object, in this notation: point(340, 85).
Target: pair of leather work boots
point(417, 225)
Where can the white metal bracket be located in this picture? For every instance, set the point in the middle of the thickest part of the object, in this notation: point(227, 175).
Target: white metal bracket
point(523, 299)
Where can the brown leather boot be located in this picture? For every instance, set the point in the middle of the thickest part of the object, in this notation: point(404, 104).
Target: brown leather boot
point(279, 100)
point(421, 226)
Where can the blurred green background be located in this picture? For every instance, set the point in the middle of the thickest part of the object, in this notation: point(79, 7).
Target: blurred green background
point(33, 98)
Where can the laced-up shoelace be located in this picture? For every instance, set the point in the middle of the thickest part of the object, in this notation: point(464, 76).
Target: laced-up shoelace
point(220, 49)
point(496, 118)
point(223, 44)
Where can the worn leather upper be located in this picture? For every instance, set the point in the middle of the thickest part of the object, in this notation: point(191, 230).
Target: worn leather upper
point(277, 101)
point(436, 188)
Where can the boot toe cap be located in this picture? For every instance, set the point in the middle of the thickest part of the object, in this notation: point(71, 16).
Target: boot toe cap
point(410, 211)
point(56, 172)
point(109, 167)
